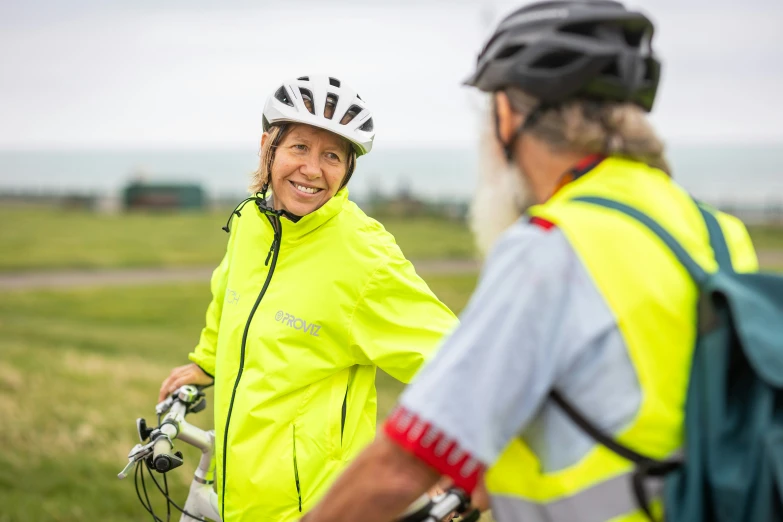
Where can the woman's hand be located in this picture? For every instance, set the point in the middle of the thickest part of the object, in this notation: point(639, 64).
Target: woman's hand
point(181, 375)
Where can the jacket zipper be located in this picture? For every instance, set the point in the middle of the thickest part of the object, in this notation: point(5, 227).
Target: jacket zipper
point(296, 474)
point(275, 250)
point(345, 403)
point(345, 410)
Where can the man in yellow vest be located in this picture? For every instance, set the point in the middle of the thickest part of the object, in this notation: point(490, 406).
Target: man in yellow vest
point(574, 298)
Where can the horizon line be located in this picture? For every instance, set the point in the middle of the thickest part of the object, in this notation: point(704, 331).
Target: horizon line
point(236, 147)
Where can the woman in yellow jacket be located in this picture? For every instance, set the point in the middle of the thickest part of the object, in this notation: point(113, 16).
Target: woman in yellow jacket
point(311, 297)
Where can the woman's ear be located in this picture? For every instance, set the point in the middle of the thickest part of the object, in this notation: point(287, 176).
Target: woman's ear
point(264, 138)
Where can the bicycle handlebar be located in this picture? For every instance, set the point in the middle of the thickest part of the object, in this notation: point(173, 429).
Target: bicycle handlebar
point(163, 459)
point(159, 451)
point(438, 508)
point(160, 455)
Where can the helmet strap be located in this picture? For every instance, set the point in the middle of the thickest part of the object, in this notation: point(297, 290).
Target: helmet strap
point(509, 147)
point(349, 168)
point(532, 117)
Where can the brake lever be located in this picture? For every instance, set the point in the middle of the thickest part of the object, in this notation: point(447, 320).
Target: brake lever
point(137, 453)
point(187, 394)
point(199, 406)
point(165, 405)
point(127, 469)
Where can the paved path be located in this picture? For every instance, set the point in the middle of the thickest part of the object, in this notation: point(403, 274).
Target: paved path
point(771, 258)
point(138, 276)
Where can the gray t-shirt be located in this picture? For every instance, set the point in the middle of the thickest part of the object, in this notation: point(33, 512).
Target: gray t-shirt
point(535, 322)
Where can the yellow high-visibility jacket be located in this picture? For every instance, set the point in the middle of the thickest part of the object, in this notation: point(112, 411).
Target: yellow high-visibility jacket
point(294, 334)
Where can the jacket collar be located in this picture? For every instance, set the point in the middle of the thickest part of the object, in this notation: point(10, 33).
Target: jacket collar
point(294, 231)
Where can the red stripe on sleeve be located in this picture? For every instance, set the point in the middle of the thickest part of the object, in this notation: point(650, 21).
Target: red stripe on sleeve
point(542, 223)
point(434, 448)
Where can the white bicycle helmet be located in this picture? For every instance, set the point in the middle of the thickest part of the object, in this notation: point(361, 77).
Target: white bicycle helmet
point(323, 102)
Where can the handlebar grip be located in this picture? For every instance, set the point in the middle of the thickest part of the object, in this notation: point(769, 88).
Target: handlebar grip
point(453, 500)
point(161, 454)
point(435, 509)
point(162, 458)
point(439, 508)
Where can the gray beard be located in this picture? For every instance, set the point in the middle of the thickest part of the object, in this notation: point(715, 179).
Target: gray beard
point(501, 197)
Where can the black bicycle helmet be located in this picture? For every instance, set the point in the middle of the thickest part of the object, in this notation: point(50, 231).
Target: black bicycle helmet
point(561, 50)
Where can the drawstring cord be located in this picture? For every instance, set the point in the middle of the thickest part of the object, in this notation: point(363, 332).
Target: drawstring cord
point(238, 211)
point(261, 201)
point(271, 213)
point(274, 215)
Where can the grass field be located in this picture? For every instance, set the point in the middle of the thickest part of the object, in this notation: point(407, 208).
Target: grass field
point(78, 366)
point(76, 369)
point(48, 238)
point(767, 237)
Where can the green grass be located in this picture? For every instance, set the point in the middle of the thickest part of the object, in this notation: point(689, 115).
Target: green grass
point(76, 369)
point(431, 238)
point(767, 237)
point(78, 366)
point(36, 238)
point(50, 238)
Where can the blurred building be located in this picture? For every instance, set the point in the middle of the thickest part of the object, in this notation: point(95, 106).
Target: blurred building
point(163, 196)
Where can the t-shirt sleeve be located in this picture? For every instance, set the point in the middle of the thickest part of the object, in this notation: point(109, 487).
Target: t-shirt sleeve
point(491, 375)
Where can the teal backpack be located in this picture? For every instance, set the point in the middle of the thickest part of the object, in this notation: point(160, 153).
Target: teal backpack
point(732, 464)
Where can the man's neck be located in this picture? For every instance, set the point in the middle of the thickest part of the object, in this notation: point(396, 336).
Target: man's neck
point(543, 167)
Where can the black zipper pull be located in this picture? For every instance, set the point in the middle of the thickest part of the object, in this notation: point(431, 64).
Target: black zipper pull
point(269, 255)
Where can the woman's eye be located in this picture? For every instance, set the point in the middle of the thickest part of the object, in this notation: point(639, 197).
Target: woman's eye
point(300, 146)
point(332, 156)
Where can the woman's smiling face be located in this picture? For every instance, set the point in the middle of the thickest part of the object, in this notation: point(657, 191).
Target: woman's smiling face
point(308, 168)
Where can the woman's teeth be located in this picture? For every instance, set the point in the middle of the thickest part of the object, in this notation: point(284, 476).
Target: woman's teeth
point(308, 190)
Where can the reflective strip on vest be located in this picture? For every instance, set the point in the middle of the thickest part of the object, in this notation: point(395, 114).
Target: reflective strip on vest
point(604, 501)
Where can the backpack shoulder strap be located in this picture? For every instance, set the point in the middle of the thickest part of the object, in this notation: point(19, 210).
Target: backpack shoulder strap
point(717, 239)
point(595, 432)
point(696, 272)
point(645, 466)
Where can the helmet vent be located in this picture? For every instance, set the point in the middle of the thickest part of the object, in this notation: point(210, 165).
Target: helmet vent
point(304, 78)
point(334, 81)
point(282, 96)
point(556, 60)
point(307, 98)
point(331, 103)
point(580, 29)
point(510, 51)
point(350, 114)
point(367, 126)
point(635, 38)
point(611, 70)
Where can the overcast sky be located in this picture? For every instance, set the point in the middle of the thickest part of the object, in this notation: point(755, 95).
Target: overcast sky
point(192, 73)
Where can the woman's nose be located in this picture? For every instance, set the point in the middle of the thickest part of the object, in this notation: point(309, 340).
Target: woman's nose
point(311, 166)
